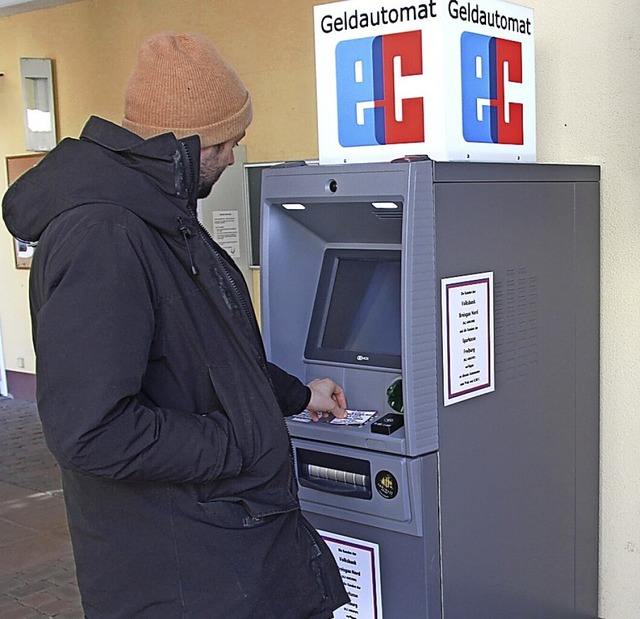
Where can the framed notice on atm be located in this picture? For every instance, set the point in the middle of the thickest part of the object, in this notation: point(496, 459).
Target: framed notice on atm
point(359, 565)
point(467, 337)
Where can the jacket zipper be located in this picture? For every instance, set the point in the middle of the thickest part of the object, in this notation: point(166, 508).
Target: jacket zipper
point(239, 297)
point(185, 235)
point(242, 303)
point(248, 316)
point(190, 186)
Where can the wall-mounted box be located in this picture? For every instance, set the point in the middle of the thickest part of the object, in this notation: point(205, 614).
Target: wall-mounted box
point(36, 75)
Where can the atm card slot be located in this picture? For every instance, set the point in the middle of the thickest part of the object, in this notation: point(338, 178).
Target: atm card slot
point(334, 474)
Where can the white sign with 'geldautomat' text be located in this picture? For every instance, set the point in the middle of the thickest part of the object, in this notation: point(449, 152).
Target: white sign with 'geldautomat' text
point(450, 79)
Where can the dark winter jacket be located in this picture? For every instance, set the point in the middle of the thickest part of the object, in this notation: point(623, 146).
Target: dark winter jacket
point(155, 394)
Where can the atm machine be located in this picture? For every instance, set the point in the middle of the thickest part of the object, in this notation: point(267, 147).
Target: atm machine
point(468, 500)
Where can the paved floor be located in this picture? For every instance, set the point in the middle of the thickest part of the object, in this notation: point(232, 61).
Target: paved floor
point(37, 577)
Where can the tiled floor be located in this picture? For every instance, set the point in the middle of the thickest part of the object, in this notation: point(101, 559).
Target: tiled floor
point(37, 577)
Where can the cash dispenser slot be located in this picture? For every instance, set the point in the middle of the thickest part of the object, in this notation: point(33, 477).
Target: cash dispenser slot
point(334, 474)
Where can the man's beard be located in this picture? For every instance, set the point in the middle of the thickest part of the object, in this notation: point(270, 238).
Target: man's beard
point(208, 180)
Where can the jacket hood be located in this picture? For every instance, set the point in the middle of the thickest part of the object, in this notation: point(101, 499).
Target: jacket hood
point(83, 171)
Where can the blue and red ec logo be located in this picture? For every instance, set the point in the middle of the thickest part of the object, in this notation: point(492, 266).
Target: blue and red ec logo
point(489, 66)
point(372, 110)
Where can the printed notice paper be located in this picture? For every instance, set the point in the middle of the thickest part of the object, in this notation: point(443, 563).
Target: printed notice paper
point(359, 564)
point(467, 337)
point(226, 231)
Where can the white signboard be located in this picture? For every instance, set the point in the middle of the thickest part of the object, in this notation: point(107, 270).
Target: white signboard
point(451, 79)
point(467, 337)
point(359, 564)
point(226, 231)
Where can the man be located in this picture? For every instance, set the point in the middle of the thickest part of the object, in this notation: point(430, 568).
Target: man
point(153, 388)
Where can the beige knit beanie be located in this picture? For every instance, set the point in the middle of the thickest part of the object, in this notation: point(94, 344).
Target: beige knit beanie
point(182, 84)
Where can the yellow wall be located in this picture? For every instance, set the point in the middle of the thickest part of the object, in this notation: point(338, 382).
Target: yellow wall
point(588, 72)
point(93, 44)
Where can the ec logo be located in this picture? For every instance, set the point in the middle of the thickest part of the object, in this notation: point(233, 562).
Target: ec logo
point(374, 106)
point(489, 66)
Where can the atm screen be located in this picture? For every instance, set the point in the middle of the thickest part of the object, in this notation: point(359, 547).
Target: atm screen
point(356, 314)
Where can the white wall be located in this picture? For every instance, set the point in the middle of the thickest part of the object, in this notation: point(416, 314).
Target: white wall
point(3, 375)
point(588, 101)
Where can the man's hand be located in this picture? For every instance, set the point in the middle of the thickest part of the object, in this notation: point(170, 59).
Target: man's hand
point(326, 398)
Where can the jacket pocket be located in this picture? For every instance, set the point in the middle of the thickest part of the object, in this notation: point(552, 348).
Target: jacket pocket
point(231, 393)
point(248, 400)
point(238, 513)
point(314, 556)
point(323, 566)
